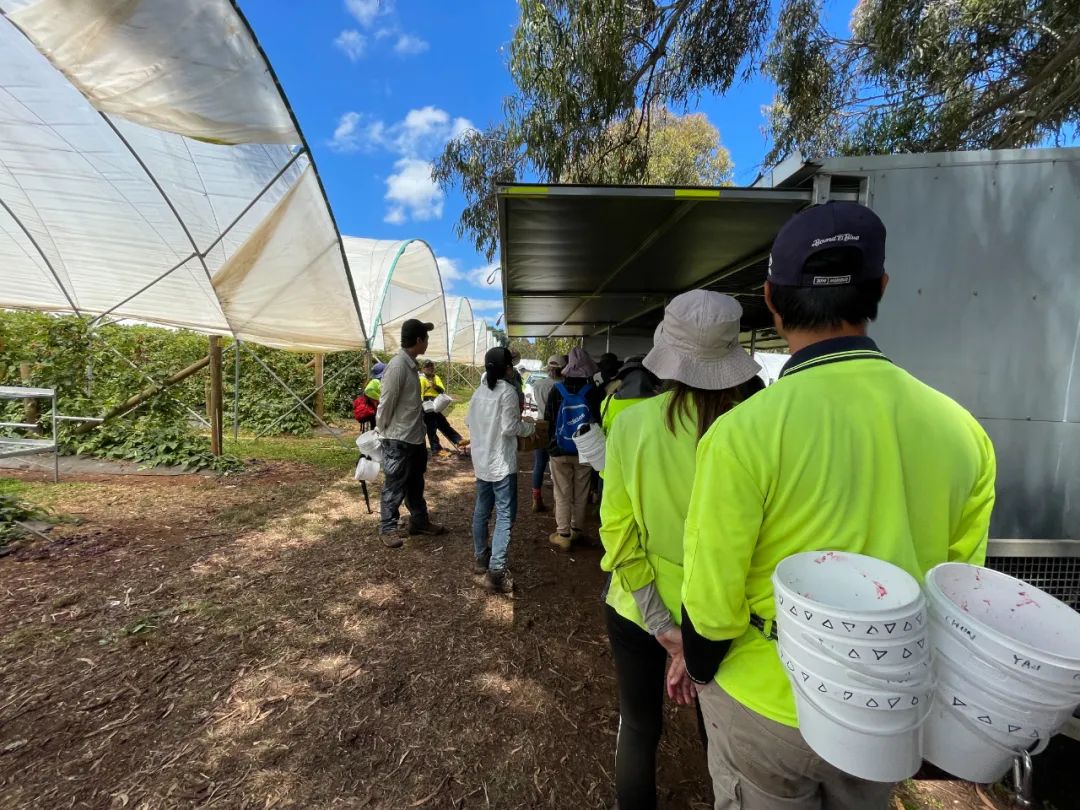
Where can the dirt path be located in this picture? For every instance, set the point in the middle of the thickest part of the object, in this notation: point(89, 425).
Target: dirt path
point(247, 642)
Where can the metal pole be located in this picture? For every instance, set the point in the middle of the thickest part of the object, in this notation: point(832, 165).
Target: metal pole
point(333, 377)
point(607, 345)
point(236, 396)
point(56, 443)
point(299, 401)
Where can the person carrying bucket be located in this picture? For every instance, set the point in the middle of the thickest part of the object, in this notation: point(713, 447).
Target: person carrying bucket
point(649, 469)
point(845, 452)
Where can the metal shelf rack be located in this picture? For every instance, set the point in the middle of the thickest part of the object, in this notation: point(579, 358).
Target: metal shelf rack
point(11, 446)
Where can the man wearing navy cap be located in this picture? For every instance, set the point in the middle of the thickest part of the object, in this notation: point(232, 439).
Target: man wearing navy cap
point(845, 451)
point(400, 422)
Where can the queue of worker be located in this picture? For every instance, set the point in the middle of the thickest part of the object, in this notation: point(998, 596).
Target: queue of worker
point(709, 482)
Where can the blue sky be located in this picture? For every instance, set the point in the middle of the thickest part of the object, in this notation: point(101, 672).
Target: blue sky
point(379, 86)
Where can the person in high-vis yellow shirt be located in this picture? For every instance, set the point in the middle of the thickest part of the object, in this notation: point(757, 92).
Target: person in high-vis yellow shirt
point(845, 451)
point(431, 385)
point(649, 469)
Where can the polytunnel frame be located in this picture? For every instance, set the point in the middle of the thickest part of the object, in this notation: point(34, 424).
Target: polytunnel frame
point(378, 320)
point(302, 149)
point(452, 337)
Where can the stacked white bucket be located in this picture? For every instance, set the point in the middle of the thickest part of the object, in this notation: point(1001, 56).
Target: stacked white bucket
point(1007, 660)
point(852, 634)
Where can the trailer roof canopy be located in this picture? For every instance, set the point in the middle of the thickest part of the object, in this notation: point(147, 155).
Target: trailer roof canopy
point(579, 260)
point(150, 168)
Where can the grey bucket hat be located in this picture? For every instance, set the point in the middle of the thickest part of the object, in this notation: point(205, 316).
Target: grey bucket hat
point(697, 343)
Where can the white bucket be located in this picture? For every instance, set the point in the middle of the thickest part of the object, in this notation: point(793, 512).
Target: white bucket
point(882, 746)
point(428, 405)
point(441, 403)
point(1008, 621)
point(591, 446)
point(366, 469)
point(855, 690)
point(886, 663)
point(995, 676)
point(850, 595)
point(1007, 657)
point(370, 444)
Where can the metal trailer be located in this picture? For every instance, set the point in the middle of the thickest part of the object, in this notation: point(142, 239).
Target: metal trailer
point(984, 305)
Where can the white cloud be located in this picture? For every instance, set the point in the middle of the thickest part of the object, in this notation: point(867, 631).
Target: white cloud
point(415, 139)
point(346, 138)
point(486, 305)
point(411, 190)
point(409, 45)
point(449, 270)
point(480, 276)
point(352, 43)
point(383, 33)
point(366, 11)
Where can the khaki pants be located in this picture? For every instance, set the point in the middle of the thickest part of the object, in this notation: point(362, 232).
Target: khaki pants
point(571, 482)
point(759, 764)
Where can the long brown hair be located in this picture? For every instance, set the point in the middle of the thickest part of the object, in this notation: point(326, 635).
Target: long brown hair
point(709, 405)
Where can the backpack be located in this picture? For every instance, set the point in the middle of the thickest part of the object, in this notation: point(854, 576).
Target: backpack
point(573, 413)
point(363, 409)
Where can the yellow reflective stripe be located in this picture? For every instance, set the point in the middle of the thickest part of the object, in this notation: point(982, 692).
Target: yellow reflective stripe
point(697, 193)
point(525, 190)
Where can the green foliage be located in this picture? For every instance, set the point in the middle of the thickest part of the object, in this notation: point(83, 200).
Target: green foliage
point(594, 83)
point(92, 372)
point(925, 75)
point(595, 80)
point(11, 510)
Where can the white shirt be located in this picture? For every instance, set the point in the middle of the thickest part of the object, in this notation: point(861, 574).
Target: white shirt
point(494, 422)
point(541, 391)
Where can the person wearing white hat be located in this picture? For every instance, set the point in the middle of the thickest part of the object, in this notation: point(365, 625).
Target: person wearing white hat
point(649, 473)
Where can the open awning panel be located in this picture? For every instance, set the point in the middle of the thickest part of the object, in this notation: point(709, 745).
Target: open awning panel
point(150, 169)
point(580, 260)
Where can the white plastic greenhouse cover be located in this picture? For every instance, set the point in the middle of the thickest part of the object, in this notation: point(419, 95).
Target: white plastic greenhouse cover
point(151, 169)
point(462, 332)
point(396, 281)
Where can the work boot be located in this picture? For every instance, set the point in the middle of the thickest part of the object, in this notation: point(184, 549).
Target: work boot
point(561, 541)
point(538, 501)
point(480, 564)
point(392, 539)
point(429, 529)
point(499, 580)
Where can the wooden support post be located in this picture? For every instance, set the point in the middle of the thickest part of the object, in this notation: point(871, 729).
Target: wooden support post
point(31, 407)
point(320, 393)
point(216, 397)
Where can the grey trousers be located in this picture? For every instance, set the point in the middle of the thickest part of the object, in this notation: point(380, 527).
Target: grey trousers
point(759, 764)
point(404, 466)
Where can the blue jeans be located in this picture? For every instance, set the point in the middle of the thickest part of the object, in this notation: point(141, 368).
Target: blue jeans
point(502, 497)
point(540, 462)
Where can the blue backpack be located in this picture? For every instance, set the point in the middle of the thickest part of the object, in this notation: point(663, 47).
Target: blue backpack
point(573, 413)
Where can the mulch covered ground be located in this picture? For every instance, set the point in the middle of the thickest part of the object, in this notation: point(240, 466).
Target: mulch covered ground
point(247, 642)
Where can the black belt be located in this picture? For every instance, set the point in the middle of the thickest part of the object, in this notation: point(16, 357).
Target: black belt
point(767, 627)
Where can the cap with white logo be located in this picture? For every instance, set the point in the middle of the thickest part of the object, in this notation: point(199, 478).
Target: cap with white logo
point(824, 227)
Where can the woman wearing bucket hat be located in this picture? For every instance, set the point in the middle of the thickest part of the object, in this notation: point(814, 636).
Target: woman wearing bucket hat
point(648, 475)
point(573, 400)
